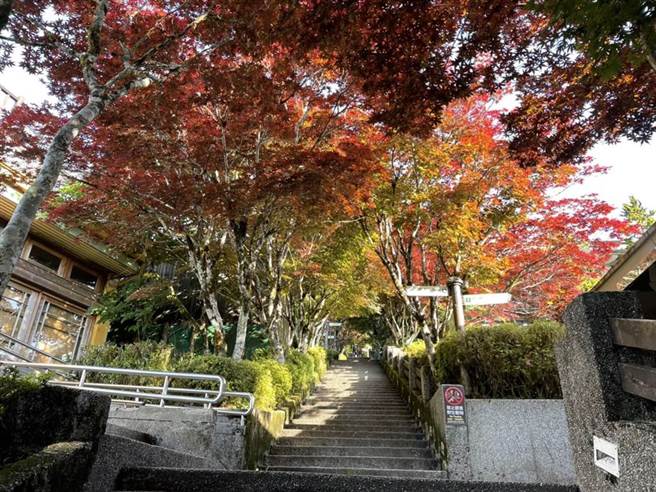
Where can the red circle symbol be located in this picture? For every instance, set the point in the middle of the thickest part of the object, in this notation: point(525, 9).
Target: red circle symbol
point(454, 396)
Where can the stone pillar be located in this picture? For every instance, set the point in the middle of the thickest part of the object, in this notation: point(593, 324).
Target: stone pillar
point(595, 403)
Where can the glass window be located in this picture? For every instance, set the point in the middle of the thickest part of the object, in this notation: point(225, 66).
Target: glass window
point(59, 332)
point(13, 304)
point(45, 258)
point(84, 277)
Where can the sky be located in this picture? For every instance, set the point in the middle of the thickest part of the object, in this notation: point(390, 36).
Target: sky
point(631, 166)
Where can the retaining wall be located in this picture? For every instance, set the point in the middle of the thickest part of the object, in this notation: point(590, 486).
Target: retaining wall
point(513, 441)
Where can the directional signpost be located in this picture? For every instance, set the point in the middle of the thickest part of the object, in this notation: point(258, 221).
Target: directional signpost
point(454, 289)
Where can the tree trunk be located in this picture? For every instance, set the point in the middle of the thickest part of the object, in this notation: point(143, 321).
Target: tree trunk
point(12, 237)
point(279, 351)
point(5, 10)
point(242, 331)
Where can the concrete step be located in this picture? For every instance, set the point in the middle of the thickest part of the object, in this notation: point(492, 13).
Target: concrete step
point(350, 451)
point(377, 462)
point(355, 434)
point(135, 435)
point(355, 414)
point(413, 474)
point(328, 405)
point(179, 480)
point(355, 401)
point(302, 441)
point(371, 427)
point(337, 420)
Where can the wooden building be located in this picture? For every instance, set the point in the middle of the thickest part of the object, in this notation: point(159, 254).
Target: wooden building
point(44, 311)
point(634, 269)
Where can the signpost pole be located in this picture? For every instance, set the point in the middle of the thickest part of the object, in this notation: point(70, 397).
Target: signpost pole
point(455, 285)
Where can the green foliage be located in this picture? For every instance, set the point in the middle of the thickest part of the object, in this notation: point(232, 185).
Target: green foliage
point(320, 361)
point(416, 350)
point(332, 354)
point(639, 216)
point(141, 355)
point(302, 368)
point(272, 383)
point(281, 379)
point(13, 384)
point(240, 375)
point(504, 361)
point(142, 307)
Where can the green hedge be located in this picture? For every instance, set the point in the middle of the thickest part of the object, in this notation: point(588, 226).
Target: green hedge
point(141, 355)
point(301, 367)
point(272, 383)
point(503, 361)
point(320, 357)
point(281, 379)
point(240, 375)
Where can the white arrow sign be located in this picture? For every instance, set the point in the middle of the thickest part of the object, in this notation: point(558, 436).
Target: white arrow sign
point(469, 300)
point(426, 291)
point(485, 299)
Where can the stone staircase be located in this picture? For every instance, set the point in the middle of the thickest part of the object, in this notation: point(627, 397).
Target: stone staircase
point(356, 423)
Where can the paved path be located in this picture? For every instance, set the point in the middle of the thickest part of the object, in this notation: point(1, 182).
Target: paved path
point(356, 423)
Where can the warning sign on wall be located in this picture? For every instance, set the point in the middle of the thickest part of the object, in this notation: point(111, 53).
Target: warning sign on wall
point(454, 403)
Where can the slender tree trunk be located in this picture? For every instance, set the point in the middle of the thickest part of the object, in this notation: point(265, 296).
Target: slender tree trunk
point(242, 331)
point(5, 10)
point(12, 237)
point(239, 231)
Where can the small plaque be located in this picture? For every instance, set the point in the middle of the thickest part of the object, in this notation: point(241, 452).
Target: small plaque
point(606, 456)
point(454, 404)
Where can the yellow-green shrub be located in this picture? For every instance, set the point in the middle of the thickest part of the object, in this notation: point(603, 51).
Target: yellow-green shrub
point(240, 375)
point(320, 361)
point(281, 379)
point(301, 367)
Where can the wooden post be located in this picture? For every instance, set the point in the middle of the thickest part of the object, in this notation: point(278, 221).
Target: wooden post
point(411, 374)
point(424, 375)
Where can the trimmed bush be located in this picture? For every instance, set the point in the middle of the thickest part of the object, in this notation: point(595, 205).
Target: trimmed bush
point(302, 368)
point(320, 361)
point(147, 355)
point(281, 379)
point(503, 361)
point(416, 350)
point(240, 375)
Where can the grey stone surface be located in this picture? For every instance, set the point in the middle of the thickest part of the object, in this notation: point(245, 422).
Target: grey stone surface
point(59, 467)
point(169, 480)
point(595, 403)
point(519, 441)
point(117, 452)
point(355, 401)
point(34, 419)
point(196, 431)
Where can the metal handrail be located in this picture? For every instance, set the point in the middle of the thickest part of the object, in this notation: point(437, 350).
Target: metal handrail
point(173, 389)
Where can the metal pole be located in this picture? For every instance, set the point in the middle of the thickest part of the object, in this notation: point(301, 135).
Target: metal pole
point(455, 284)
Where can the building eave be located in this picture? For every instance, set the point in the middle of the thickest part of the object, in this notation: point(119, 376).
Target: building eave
point(82, 248)
point(631, 264)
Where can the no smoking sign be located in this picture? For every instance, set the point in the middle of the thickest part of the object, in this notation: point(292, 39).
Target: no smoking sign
point(454, 403)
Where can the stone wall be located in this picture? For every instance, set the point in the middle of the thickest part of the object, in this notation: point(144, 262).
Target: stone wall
point(519, 441)
point(49, 438)
point(225, 441)
point(524, 441)
point(595, 403)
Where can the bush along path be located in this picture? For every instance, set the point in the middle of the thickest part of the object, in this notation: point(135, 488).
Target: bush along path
point(356, 423)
